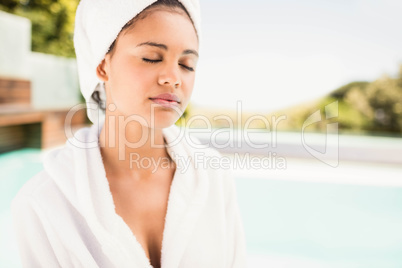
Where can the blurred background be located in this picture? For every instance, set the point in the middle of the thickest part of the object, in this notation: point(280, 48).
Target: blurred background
point(318, 82)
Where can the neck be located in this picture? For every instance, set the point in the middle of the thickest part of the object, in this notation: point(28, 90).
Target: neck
point(129, 148)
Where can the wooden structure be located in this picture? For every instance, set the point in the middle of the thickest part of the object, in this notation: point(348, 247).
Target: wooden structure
point(21, 125)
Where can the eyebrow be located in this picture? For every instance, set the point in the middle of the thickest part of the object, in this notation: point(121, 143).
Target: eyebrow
point(164, 47)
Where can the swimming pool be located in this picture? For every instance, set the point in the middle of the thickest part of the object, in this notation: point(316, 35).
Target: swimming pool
point(323, 225)
point(16, 168)
point(308, 215)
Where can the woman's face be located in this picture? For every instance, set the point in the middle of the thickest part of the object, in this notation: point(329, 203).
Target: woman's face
point(157, 55)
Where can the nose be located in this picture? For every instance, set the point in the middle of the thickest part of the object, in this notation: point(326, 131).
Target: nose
point(170, 76)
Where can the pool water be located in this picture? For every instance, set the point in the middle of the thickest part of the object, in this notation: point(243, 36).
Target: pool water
point(16, 168)
point(321, 224)
point(288, 223)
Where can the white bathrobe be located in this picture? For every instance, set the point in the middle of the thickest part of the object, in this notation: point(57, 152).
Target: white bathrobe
point(65, 215)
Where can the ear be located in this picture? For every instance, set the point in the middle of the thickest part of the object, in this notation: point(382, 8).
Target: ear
point(101, 71)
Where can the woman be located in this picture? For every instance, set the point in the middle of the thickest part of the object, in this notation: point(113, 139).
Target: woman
point(119, 193)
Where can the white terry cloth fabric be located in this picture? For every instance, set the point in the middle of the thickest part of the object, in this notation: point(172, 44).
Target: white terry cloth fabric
point(97, 25)
point(65, 215)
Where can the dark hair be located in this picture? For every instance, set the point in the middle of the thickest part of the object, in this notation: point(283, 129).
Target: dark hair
point(170, 4)
point(96, 97)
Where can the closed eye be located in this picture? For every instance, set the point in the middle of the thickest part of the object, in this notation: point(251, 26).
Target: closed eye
point(187, 67)
point(156, 61)
point(151, 61)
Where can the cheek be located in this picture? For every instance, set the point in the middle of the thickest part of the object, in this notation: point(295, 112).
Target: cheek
point(130, 83)
point(188, 86)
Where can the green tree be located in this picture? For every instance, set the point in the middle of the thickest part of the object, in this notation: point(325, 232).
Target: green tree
point(385, 98)
point(363, 107)
point(52, 23)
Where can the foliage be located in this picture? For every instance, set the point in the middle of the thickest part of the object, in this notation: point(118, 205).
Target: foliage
point(363, 107)
point(340, 92)
point(52, 23)
point(385, 98)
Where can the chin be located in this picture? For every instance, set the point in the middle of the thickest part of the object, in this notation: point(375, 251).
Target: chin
point(164, 121)
point(165, 117)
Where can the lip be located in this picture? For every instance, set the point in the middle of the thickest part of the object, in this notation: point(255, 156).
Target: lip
point(166, 100)
point(168, 97)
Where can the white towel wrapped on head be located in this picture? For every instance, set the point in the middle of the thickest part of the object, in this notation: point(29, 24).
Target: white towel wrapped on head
point(97, 24)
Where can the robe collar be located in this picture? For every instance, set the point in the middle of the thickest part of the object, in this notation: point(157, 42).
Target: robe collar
point(83, 181)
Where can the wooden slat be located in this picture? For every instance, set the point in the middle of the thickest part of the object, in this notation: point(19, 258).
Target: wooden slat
point(15, 91)
point(21, 126)
point(20, 119)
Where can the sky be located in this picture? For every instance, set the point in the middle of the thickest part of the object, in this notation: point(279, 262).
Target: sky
point(272, 54)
